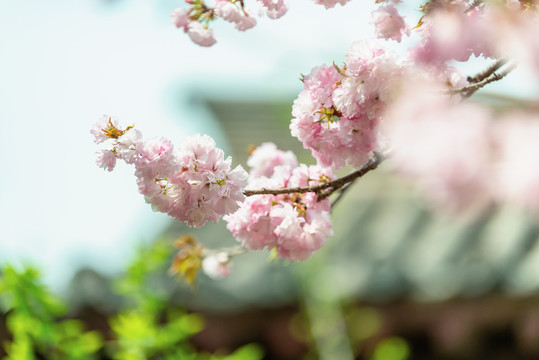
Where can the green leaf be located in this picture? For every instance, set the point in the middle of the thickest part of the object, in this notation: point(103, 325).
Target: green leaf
point(393, 348)
point(33, 321)
point(247, 352)
point(21, 349)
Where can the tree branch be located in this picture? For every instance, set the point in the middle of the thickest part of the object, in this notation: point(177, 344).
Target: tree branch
point(475, 4)
point(329, 186)
point(488, 71)
point(469, 90)
point(342, 191)
point(230, 251)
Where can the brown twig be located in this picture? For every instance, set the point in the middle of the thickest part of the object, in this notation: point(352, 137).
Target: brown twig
point(472, 6)
point(469, 90)
point(488, 71)
point(329, 186)
point(342, 191)
point(230, 251)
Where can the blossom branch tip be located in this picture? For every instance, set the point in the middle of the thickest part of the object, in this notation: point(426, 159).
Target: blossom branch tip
point(330, 186)
point(469, 90)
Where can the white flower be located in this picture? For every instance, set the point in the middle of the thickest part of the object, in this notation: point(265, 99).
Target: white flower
point(200, 34)
point(217, 266)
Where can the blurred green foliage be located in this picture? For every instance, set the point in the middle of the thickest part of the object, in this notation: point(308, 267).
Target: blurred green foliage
point(149, 327)
point(393, 348)
point(333, 325)
point(362, 323)
point(138, 285)
point(33, 320)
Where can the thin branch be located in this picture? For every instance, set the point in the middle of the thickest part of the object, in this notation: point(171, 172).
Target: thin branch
point(342, 191)
point(488, 71)
point(331, 186)
point(231, 251)
point(475, 4)
point(468, 91)
point(491, 78)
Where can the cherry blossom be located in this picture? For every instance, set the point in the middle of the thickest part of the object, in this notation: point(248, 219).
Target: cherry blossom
point(180, 18)
point(217, 266)
point(274, 8)
point(101, 131)
point(516, 34)
point(444, 146)
point(121, 144)
point(450, 31)
point(106, 159)
point(330, 3)
point(230, 12)
point(518, 149)
point(266, 158)
point(200, 34)
point(193, 184)
point(337, 114)
point(389, 24)
point(295, 225)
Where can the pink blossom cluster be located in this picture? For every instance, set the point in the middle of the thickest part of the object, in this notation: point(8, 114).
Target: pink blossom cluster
point(443, 146)
point(217, 266)
point(517, 172)
point(449, 31)
point(122, 143)
point(266, 157)
point(461, 155)
point(378, 101)
point(338, 112)
point(199, 33)
point(389, 24)
point(516, 32)
point(274, 8)
point(295, 225)
point(330, 3)
point(196, 19)
point(193, 184)
point(457, 29)
point(243, 19)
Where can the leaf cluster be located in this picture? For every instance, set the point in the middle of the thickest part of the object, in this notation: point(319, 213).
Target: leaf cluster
point(34, 319)
point(149, 327)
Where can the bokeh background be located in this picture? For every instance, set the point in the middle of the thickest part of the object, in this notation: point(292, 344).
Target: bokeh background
point(433, 284)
